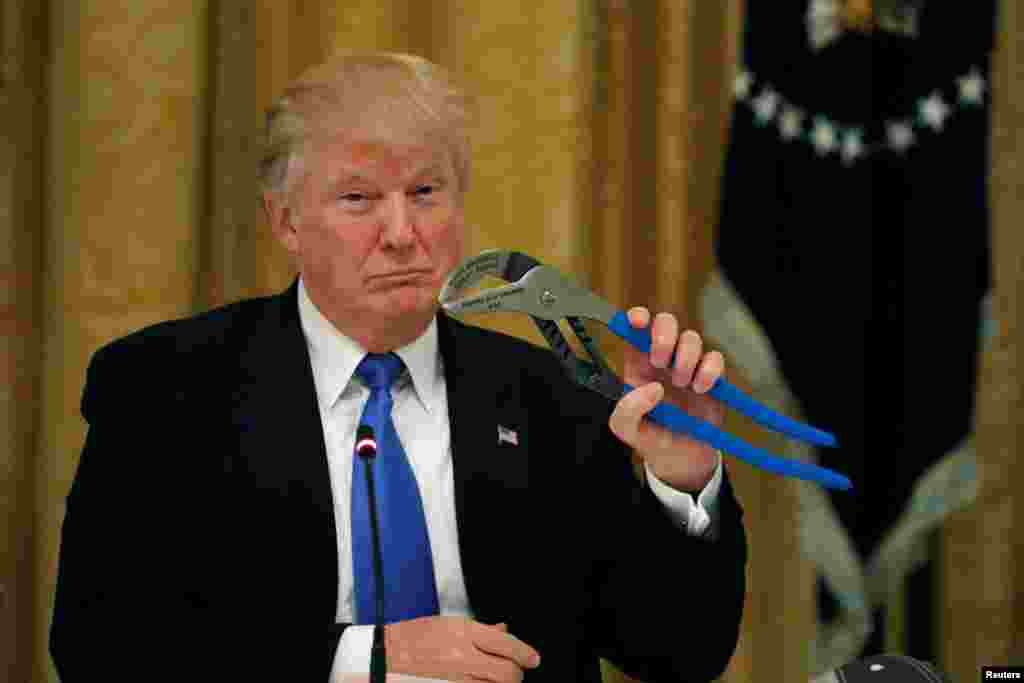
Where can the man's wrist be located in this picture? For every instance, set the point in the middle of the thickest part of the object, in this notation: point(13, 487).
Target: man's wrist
point(693, 480)
point(694, 512)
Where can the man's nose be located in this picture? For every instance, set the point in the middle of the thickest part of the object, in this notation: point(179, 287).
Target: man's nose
point(398, 221)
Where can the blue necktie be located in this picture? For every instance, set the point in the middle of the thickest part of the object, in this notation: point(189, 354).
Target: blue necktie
point(408, 567)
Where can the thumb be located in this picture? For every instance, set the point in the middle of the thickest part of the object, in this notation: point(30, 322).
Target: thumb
point(502, 627)
point(631, 408)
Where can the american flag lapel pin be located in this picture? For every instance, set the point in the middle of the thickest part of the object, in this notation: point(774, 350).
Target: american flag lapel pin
point(506, 435)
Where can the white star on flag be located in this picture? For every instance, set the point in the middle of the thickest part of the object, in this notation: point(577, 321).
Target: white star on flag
point(741, 86)
point(765, 105)
point(934, 111)
point(972, 87)
point(900, 135)
point(824, 136)
point(823, 22)
point(853, 145)
point(506, 435)
point(819, 10)
point(791, 123)
point(823, 33)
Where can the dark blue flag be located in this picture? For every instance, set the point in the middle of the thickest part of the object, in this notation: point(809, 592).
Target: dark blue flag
point(855, 226)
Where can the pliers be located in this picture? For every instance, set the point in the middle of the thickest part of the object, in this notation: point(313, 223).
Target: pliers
point(547, 296)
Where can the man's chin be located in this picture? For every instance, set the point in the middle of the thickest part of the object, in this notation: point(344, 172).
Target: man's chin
point(407, 302)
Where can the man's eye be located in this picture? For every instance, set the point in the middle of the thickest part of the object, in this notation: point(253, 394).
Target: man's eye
point(354, 197)
point(425, 190)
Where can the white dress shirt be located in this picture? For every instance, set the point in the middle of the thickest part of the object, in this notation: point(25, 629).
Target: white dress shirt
point(420, 414)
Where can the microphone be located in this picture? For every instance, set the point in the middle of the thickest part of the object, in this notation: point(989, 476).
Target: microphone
point(366, 449)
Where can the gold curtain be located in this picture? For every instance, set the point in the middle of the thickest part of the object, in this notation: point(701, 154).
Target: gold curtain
point(128, 196)
point(22, 106)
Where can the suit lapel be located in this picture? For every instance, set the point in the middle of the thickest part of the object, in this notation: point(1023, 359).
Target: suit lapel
point(490, 478)
point(283, 456)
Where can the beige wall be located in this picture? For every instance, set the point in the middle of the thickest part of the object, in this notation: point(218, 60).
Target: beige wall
point(127, 196)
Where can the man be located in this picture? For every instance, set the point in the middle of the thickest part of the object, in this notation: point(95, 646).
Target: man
point(213, 529)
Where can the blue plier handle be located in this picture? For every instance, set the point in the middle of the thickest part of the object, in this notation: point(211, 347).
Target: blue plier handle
point(547, 296)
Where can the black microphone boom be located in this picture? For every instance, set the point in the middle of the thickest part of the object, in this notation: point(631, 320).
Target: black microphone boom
point(366, 448)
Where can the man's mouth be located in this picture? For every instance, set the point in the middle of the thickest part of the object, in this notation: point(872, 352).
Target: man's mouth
point(402, 278)
point(400, 275)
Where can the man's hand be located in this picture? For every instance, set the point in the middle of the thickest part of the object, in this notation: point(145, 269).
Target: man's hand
point(457, 649)
point(678, 460)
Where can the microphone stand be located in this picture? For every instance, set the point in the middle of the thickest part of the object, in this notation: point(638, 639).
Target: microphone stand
point(378, 656)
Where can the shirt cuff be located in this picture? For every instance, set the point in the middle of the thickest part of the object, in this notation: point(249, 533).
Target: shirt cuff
point(698, 518)
point(353, 653)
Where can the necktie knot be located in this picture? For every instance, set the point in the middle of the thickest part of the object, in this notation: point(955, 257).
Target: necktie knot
point(380, 370)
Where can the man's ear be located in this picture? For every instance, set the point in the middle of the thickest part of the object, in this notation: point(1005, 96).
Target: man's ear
point(281, 217)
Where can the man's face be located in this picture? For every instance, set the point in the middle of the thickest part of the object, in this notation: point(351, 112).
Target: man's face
point(375, 227)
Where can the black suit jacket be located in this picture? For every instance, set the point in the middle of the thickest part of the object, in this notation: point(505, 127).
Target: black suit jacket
point(199, 536)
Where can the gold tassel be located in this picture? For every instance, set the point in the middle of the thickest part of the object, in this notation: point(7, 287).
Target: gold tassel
point(859, 15)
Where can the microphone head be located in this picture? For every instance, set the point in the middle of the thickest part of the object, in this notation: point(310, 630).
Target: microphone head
point(366, 443)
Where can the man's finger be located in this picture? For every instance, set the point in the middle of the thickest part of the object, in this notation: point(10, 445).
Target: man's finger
point(631, 408)
point(503, 644)
point(687, 358)
point(711, 368)
point(664, 335)
point(639, 317)
point(496, 669)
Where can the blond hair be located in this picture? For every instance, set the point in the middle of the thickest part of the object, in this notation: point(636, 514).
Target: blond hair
point(406, 93)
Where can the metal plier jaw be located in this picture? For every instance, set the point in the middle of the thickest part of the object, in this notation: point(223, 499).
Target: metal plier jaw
point(547, 296)
point(536, 289)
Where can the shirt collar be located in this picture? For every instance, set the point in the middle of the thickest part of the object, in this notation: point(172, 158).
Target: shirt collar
point(335, 356)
